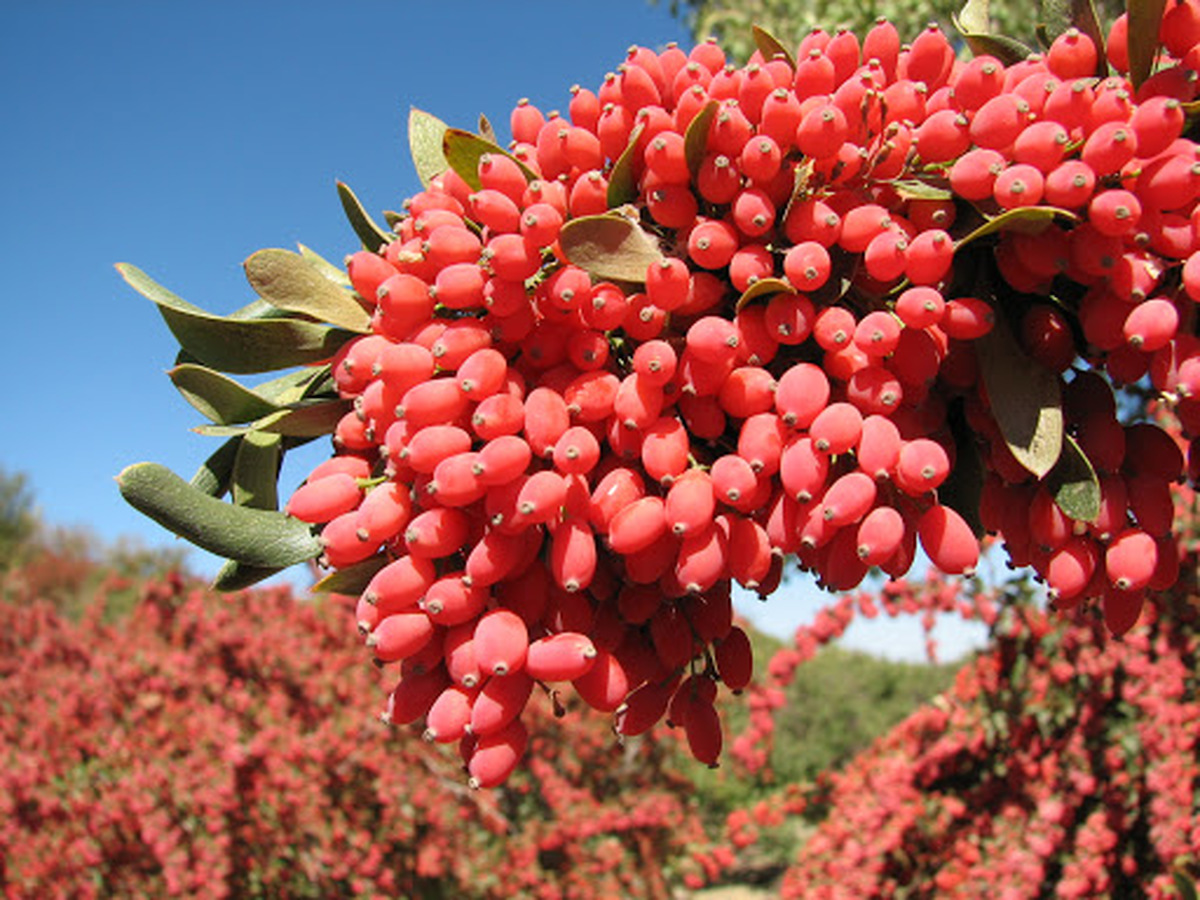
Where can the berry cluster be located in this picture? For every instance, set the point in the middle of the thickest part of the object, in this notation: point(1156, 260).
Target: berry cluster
point(715, 316)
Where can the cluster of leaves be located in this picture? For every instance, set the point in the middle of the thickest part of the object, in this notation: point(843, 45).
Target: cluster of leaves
point(730, 21)
point(217, 746)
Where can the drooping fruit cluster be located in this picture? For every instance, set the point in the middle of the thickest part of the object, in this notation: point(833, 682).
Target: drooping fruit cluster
point(835, 306)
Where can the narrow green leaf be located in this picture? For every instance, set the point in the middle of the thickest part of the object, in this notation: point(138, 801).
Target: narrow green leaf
point(695, 137)
point(964, 485)
point(352, 579)
point(256, 470)
point(913, 189)
point(1027, 219)
point(463, 150)
point(1007, 49)
point(1026, 399)
point(336, 274)
point(1184, 886)
point(287, 281)
point(1074, 483)
point(257, 537)
point(770, 47)
point(218, 397)
point(308, 420)
point(622, 180)
point(610, 247)
point(257, 308)
point(215, 473)
point(236, 576)
point(425, 134)
point(237, 346)
point(1145, 20)
point(292, 386)
point(372, 236)
point(764, 287)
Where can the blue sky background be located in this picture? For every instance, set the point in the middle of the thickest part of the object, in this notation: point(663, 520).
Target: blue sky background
point(182, 137)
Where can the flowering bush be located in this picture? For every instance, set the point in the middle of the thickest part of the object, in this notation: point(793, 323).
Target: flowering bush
point(209, 746)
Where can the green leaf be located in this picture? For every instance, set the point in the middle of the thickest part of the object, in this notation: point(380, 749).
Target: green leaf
point(257, 537)
point(973, 17)
point(1058, 16)
point(1145, 20)
point(216, 472)
point(695, 137)
point(770, 47)
point(964, 485)
point(1074, 483)
point(237, 346)
point(235, 576)
point(463, 150)
point(334, 273)
point(308, 420)
point(352, 579)
point(425, 134)
point(1184, 886)
point(218, 397)
point(974, 24)
point(1027, 219)
point(764, 287)
point(372, 236)
point(610, 247)
point(1025, 397)
point(1007, 49)
point(913, 189)
point(292, 386)
point(622, 180)
point(288, 282)
point(256, 470)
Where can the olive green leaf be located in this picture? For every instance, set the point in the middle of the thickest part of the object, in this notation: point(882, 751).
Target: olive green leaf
point(256, 470)
point(293, 386)
point(372, 236)
point(463, 150)
point(914, 189)
point(305, 420)
point(770, 47)
point(695, 137)
point(215, 473)
point(288, 282)
point(335, 274)
point(235, 575)
point(1026, 399)
point(764, 287)
point(257, 537)
point(218, 397)
point(1028, 219)
point(622, 180)
point(1184, 886)
point(964, 485)
point(352, 579)
point(609, 246)
point(425, 134)
point(1074, 483)
point(237, 346)
point(974, 24)
point(1145, 20)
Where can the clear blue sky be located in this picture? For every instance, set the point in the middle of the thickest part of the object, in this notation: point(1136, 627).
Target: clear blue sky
point(182, 137)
